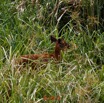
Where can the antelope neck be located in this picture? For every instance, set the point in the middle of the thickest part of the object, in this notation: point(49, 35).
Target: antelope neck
point(57, 51)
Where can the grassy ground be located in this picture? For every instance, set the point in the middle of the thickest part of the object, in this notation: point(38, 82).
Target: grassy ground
point(77, 78)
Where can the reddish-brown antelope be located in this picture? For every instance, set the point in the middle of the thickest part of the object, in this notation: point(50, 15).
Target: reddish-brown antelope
point(60, 45)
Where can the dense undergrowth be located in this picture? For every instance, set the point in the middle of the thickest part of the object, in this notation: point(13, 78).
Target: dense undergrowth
point(25, 28)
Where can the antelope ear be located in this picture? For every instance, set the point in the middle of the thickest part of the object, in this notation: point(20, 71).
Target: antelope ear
point(59, 40)
point(53, 39)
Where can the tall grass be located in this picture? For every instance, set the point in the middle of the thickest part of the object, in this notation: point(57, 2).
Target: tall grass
point(78, 77)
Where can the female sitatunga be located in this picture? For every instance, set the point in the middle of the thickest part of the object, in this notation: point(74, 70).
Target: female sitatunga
point(60, 45)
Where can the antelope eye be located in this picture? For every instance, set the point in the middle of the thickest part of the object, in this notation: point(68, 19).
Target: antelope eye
point(62, 46)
